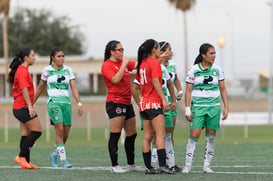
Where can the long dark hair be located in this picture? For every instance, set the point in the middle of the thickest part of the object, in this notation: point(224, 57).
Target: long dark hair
point(163, 45)
point(144, 51)
point(17, 60)
point(53, 53)
point(202, 50)
point(111, 45)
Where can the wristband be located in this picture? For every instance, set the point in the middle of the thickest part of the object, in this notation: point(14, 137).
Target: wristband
point(79, 104)
point(187, 111)
point(179, 92)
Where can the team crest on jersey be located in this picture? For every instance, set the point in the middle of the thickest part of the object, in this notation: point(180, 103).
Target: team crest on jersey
point(118, 110)
point(214, 72)
point(65, 72)
point(56, 117)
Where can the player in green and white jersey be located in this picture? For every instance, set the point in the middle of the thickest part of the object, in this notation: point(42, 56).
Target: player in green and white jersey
point(204, 86)
point(58, 77)
point(166, 48)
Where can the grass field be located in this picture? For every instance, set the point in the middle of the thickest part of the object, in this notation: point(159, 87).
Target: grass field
point(236, 157)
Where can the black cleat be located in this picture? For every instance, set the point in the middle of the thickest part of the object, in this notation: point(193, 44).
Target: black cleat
point(152, 171)
point(165, 169)
point(176, 169)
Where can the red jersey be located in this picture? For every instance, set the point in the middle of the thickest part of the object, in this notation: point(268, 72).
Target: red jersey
point(150, 68)
point(22, 79)
point(121, 92)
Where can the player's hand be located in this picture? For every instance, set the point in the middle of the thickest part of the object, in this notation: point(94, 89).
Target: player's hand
point(31, 111)
point(225, 114)
point(125, 61)
point(80, 110)
point(173, 106)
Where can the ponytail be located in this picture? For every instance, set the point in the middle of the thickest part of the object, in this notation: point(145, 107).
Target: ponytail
point(144, 51)
point(202, 51)
point(17, 60)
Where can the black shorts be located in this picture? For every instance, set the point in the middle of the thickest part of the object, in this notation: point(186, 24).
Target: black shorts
point(118, 109)
point(150, 114)
point(23, 115)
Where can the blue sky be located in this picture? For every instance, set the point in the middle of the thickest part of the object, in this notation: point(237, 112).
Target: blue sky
point(244, 24)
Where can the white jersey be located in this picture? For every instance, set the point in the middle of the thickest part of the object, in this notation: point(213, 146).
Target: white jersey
point(205, 91)
point(58, 83)
point(165, 78)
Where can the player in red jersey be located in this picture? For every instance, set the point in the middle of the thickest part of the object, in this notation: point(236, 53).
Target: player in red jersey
point(23, 93)
point(115, 71)
point(152, 103)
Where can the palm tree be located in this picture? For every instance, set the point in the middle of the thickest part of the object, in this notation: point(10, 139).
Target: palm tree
point(4, 7)
point(184, 5)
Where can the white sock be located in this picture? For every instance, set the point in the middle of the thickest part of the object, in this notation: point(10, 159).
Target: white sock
point(209, 150)
point(169, 151)
point(61, 153)
point(190, 148)
point(55, 152)
point(154, 158)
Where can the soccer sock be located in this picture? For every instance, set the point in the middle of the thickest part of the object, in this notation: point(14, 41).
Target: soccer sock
point(27, 144)
point(190, 148)
point(55, 152)
point(209, 150)
point(147, 159)
point(61, 151)
point(154, 154)
point(21, 143)
point(113, 148)
point(130, 148)
point(169, 150)
point(161, 157)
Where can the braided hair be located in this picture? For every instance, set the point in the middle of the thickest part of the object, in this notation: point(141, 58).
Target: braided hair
point(111, 46)
point(17, 60)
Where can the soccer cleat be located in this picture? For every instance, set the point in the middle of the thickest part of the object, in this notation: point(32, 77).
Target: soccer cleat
point(65, 164)
point(176, 168)
point(165, 169)
point(33, 166)
point(16, 159)
point(54, 160)
point(118, 169)
point(152, 171)
point(207, 169)
point(187, 168)
point(135, 168)
point(22, 161)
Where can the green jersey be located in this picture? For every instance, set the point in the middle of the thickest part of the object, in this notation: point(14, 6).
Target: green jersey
point(58, 83)
point(205, 91)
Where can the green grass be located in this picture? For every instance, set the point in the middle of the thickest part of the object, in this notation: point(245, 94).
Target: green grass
point(236, 157)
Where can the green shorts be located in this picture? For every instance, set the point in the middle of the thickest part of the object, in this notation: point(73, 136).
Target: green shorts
point(174, 114)
point(59, 113)
point(205, 117)
point(168, 120)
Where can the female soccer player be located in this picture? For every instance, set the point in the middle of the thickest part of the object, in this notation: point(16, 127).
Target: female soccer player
point(115, 71)
point(23, 93)
point(204, 86)
point(152, 103)
point(58, 77)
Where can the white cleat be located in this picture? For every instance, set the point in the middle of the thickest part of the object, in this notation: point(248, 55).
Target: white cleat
point(186, 169)
point(207, 169)
point(135, 168)
point(118, 169)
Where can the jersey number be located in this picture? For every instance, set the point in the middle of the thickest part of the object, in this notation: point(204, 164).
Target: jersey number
point(143, 79)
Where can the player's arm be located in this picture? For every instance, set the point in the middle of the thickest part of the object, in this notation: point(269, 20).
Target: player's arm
point(178, 87)
point(39, 90)
point(28, 101)
point(171, 91)
point(188, 101)
point(223, 92)
point(118, 76)
point(158, 89)
point(76, 95)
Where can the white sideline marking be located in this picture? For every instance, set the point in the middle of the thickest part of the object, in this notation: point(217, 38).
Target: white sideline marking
point(108, 169)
